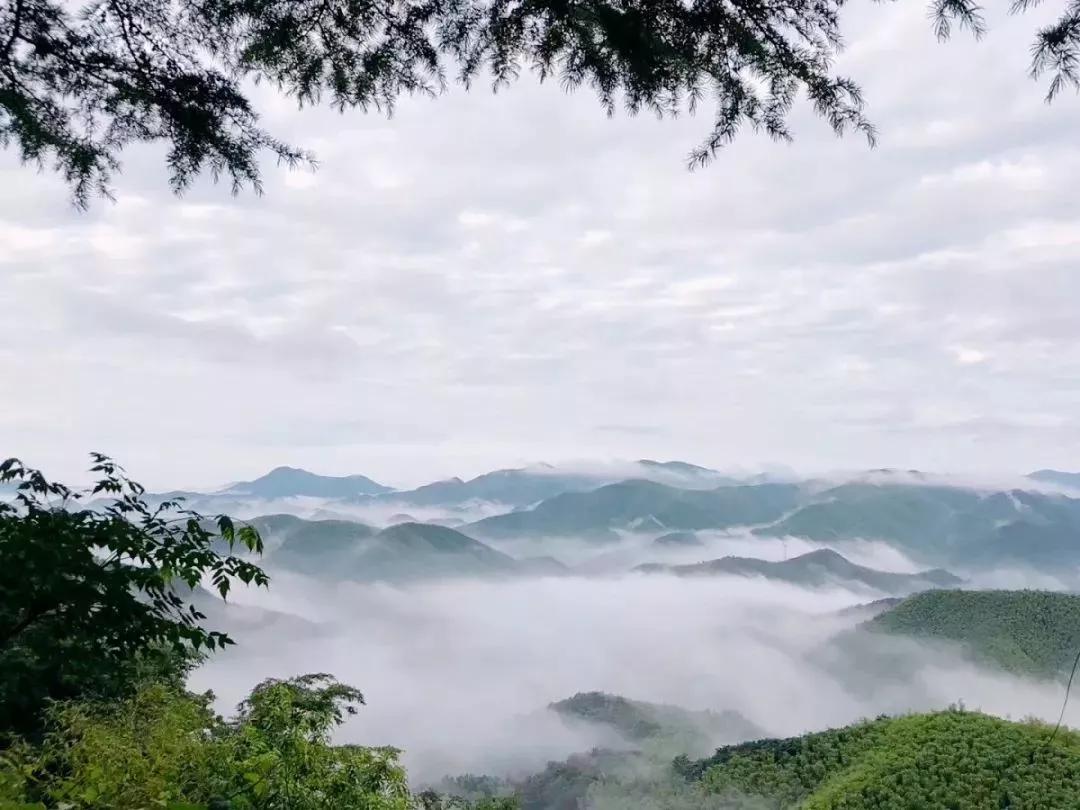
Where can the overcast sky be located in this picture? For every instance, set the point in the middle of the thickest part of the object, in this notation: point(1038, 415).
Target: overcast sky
point(488, 280)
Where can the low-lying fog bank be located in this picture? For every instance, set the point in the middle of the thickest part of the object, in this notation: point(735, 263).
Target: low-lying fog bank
point(457, 673)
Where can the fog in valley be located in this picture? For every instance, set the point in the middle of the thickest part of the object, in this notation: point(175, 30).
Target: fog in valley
point(459, 671)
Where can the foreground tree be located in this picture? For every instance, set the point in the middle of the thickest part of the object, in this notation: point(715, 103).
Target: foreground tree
point(79, 81)
point(92, 594)
point(164, 747)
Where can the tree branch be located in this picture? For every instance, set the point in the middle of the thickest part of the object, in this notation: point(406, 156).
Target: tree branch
point(33, 615)
point(16, 25)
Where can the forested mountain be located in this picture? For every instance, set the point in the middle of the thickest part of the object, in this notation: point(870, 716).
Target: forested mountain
point(287, 482)
point(637, 722)
point(951, 759)
point(944, 525)
point(520, 487)
point(1028, 632)
point(1057, 477)
point(310, 546)
point(644, 505)
point(815, 569)
point(409, 550)
point(530, 485)
point(868, 610)
point(341, 549)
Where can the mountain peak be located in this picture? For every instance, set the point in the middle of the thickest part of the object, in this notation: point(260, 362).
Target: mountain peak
point(1056, 477)
point(284, 482)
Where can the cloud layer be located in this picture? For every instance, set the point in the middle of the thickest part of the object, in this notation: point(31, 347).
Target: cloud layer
point(457, 673)
point(487, 280)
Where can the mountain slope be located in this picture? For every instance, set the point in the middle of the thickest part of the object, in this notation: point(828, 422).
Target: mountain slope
point(310, 546)
point(1028, 632)
point(815, 569)
point(519, 487)
point(943, 524)
point(643, 504)
point(1057, 477)
point(530, 485)
point(950, 759)
point(285, 482)
point(338, 549)
point(637, 721)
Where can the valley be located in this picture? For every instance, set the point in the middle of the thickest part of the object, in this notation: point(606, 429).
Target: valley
point(572, 641)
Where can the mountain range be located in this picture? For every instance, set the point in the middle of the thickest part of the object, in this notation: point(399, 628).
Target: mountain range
point(943, 525)
point(339, 549)
point(640, 505)
point(934, 523)
point(816, 569)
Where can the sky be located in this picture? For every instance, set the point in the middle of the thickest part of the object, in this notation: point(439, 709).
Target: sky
point(488, 280)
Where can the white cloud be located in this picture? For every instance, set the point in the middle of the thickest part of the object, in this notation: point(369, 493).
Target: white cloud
point(529, 271)
point(460, 686)
point(967, 356)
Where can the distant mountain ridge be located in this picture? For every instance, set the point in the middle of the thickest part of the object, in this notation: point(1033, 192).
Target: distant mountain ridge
point(285, 482)
point(641, 504)
point(526, 486)
point(944, 525)
point(815, 569)
point(1058, 477)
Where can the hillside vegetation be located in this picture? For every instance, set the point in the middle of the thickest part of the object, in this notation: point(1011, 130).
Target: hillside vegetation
point(1028, 632)
point(953, 759)
point(637, 722)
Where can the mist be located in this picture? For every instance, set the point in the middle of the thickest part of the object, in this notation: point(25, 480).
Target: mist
point(634, 549)
point(458, 673)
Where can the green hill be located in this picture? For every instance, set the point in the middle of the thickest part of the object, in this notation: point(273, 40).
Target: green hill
point(340, 549)
point(1028, 632)
point(951, 760)
point(954, 759)
point(417, 550)
point(637, 721)
point(642, 504)
point(815, 569)
point(309, 546)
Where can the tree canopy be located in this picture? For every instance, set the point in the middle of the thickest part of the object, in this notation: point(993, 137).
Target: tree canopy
point(79, 81)
point(93, 592)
